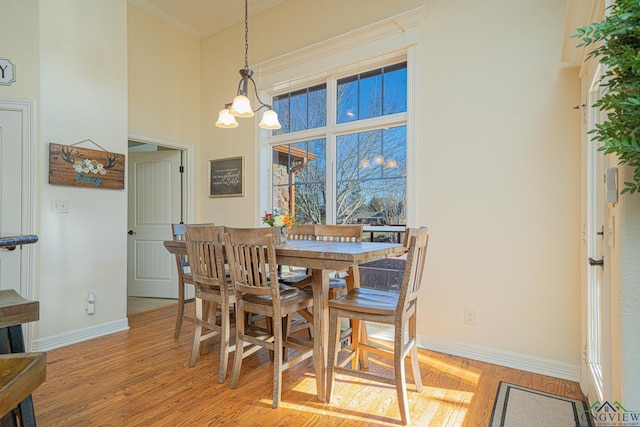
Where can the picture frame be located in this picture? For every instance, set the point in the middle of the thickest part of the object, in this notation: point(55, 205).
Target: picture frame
point(226, 177)
point(83, 167)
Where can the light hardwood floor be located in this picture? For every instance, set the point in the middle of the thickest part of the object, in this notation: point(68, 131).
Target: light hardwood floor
point(141, 378)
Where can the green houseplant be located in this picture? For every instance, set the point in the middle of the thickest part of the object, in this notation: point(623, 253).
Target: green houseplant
point(616, 42)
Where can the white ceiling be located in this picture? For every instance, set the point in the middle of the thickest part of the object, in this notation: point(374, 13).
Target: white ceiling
point(201, 18)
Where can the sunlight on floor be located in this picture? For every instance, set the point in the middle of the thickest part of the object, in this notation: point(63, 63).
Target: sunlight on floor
point(464, 373)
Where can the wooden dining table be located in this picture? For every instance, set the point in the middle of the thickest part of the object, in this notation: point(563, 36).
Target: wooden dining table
point(321, 258)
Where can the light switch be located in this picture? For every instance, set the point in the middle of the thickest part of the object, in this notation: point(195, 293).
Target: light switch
point(60, 206)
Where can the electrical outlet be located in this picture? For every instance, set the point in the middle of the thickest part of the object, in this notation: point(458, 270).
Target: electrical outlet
point(60, 206)
point(469, 316)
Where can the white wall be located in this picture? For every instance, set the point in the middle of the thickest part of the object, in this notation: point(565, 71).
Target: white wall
point(500, 182)
point(83, 95)
point(19, 35)
point(499, 156)
point(164, 78)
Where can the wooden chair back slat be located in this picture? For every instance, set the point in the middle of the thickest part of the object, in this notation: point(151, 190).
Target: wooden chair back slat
point(418, 239)
point(338, 233)
point(206, 254)
point(301, 232)
point(251, 256)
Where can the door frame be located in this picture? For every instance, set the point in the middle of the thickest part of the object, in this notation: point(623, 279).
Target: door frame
point(596, 382)
point(26, 108)
point(188, 181)
point(188, 177)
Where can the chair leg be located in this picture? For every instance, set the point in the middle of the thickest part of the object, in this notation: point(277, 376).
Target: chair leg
point(237, 360)
point(364, 339)
point(417, 378)
point(180, 315)
point(286, 330)
point(355, 341)
point(400, 378)
point(332, 352)
point(277, 359)
point(224, 341)
point(195, 349)
point(268, 322)
point(27, 415)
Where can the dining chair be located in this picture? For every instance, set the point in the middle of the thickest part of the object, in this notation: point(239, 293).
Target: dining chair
point(251, 257)
point(212, 290)
point(184, 278)
point(362, 304)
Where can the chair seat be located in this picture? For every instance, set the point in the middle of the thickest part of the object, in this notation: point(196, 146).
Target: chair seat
point(214, 289)
point(288, 295)
point(291, 277)
point(365, 300)
point(337, 282)
point(20, 374)
point(16, 310)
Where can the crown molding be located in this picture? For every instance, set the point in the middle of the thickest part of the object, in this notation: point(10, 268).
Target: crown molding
point(167, 17)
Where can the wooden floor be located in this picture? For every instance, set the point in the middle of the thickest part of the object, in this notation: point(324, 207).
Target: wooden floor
point(141, 378)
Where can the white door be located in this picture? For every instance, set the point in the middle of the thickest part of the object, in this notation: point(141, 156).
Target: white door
point(10, 195)
point(154, 204)
point(596, 355)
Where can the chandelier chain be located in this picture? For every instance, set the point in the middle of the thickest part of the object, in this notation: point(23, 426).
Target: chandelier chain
point(246, 34)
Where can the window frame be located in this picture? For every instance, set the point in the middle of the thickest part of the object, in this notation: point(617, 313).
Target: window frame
point(326, 62)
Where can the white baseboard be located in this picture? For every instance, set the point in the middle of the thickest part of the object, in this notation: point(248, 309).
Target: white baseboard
point(509, 359)
point(80, 335)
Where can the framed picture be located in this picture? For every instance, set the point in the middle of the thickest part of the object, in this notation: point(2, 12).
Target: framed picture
point(226, 177)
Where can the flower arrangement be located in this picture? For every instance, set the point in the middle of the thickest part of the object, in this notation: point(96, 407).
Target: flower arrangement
point(278, 219)
point(89, 166)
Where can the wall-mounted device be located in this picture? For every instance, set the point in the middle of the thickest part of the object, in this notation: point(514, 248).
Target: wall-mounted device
point(91, 303)
point(611, 182)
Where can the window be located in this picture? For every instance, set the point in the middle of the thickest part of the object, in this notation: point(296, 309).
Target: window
point(346, 150)
point(302, 109)
point(366, 141)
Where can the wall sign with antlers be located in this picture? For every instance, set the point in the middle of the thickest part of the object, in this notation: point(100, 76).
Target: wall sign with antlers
point(82, 167)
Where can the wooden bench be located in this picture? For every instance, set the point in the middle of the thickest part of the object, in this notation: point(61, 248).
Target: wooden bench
point(20, 374)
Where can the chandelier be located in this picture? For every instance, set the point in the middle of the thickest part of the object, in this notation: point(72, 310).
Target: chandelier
point(241, 106)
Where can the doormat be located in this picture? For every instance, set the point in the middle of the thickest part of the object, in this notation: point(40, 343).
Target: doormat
point(517, 406)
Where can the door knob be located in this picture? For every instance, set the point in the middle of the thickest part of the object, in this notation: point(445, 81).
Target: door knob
point(131, 232)
point(599, 262)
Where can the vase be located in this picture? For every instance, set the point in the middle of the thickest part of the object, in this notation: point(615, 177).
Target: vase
point(282, 235)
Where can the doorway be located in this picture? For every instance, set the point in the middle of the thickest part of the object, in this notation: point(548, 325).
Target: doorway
point(596, 305)
point(16, 193)
point(158, 179)
point(17, 182)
